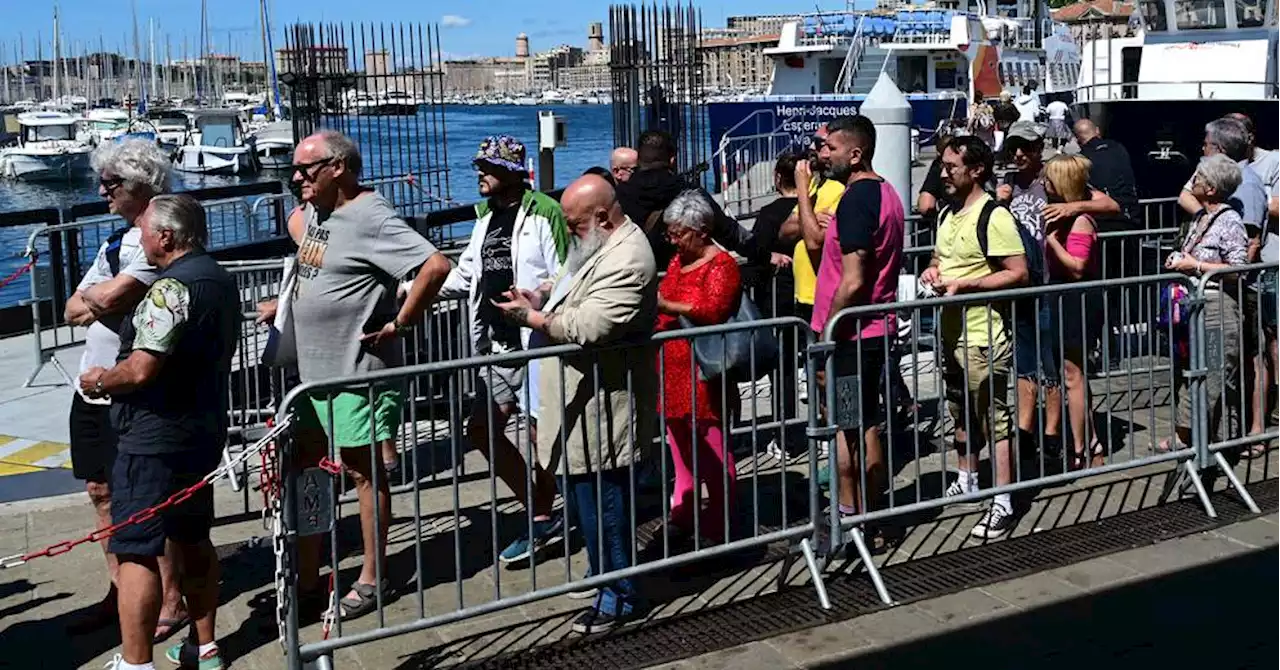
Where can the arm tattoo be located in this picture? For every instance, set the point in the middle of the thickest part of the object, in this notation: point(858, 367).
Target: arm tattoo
point(520, 315)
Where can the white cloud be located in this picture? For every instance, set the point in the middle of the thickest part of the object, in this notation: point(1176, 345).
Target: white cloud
point(454, 21)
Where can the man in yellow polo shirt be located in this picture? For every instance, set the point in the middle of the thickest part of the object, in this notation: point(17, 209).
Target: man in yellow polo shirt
point(976, 346)
point(825, 195)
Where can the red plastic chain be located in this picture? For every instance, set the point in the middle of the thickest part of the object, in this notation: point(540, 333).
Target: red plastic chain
point(98, 535)
point(331, 467)
point(8, 280)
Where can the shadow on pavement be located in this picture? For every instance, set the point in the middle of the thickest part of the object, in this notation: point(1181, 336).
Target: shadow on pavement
point(1219, 615)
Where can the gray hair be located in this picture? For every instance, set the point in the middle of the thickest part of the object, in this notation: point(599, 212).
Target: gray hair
point(182, 214)
point(690, 210)
point(141, 164)
point(1221, 174)
point(1230, 136)
point(341, 147)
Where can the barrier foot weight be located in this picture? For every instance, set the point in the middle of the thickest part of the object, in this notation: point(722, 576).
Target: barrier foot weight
point(815, 573)
point(860, 543)
point(1230, 474)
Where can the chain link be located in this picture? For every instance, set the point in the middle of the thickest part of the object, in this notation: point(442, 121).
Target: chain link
point(145, 515)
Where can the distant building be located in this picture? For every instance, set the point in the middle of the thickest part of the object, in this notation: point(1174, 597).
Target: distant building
point(1092, 19)
point(505, 75)
point(764, 24)
point(738, 63)
point(591, 75)
point(548, 65)
point(595, 37)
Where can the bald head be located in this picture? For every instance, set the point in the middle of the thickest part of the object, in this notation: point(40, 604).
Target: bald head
point(622, 162)
point(1086, 131)
point(590, 202)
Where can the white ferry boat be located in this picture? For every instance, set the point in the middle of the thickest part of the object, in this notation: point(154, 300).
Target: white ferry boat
point(1190, 62)
point(939, 54)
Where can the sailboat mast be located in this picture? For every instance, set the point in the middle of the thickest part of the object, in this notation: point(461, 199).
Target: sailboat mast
point(152, 40)
point(57, 81)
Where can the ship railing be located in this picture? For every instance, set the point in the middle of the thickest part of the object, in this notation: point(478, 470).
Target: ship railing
point(1178, 90)
point(849, 69)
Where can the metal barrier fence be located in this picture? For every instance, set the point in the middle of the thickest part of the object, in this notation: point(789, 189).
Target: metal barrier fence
point(1237, 344)
point(1012, 373)
point(644, 544)
point(255, 389)
point(72, 246)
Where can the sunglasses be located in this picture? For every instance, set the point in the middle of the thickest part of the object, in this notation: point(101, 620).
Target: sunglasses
point(310, 171)
point(110, 185)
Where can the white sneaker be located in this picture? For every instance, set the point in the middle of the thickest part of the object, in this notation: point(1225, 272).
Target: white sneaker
point(956, 489)
point(114, 662)
point(775, 451)
point(994, 524)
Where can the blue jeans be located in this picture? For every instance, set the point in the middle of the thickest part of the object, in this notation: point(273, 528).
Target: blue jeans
point(606, 531)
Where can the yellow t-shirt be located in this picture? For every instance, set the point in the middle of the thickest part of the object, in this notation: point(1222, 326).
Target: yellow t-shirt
point(806, 276)
point(960, 257)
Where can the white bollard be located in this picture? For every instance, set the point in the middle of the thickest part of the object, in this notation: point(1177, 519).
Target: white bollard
point(888, 108)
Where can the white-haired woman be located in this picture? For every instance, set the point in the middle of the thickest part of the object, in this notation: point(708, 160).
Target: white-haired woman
point(1215, 240)
point(130, 174)
point(702, 285)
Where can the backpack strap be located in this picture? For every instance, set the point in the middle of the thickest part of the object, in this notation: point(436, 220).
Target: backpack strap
point(114, 242)
point(984, 222)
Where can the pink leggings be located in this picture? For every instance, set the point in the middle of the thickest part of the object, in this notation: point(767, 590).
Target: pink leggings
point(713, 460)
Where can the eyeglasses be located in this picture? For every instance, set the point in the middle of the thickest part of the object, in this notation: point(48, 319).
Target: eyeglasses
point(109, 186)
point(624, 168)
point(306, 169)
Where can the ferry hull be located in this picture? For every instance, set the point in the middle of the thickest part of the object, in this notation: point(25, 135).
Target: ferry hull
point(1143, 125)
point(802, 118)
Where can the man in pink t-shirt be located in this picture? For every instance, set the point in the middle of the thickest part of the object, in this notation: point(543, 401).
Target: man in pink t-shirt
point(862, 257)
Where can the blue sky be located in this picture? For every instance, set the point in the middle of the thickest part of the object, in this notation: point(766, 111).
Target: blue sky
point(487, 27)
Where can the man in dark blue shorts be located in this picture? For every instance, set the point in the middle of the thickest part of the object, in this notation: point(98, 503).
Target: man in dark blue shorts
point(169, 412)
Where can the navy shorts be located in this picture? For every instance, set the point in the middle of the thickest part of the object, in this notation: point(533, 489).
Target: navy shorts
point(1035, 346)
point(868, 362)
point(142, 481)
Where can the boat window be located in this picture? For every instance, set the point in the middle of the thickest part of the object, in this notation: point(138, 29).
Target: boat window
point(46, 133)
point(1200, 14)
point(1153, 15)
point(1251, 13)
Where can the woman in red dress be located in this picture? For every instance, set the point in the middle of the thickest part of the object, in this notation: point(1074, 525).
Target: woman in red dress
point(703, 285)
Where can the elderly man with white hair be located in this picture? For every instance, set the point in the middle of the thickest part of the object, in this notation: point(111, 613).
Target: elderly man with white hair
point(596, 417)
point(130, 174)
point(170, 412)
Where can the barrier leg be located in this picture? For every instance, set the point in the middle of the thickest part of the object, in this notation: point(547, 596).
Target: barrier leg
point(1192, 475)
point(860, 543)
point(1230, 474)
point(815, 573)
point(57, 365)
point(324, 662)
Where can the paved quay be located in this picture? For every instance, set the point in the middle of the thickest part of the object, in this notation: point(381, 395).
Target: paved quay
point(1045, 585)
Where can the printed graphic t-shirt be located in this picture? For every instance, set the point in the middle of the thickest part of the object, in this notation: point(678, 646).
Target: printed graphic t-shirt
point(497, 274)
point(348, 267)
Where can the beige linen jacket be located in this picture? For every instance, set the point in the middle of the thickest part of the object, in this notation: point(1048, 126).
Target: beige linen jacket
point(598, 408)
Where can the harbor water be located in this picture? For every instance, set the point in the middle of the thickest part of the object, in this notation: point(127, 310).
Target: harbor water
point(589, 141)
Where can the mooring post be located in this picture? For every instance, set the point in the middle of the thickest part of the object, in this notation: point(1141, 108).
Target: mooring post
point(888, 108)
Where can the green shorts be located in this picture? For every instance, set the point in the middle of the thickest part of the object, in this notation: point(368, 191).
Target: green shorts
point(351, 416)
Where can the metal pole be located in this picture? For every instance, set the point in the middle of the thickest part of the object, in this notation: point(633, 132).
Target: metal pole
point(546, 170)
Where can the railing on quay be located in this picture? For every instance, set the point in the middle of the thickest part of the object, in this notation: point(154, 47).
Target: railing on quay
point(635, 368)
point(71, 244)
point(1154, 411)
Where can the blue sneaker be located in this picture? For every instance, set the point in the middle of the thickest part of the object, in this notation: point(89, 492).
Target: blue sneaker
point(545, 534)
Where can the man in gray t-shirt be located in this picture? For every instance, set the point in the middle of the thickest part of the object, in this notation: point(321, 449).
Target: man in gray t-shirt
point(346, 322)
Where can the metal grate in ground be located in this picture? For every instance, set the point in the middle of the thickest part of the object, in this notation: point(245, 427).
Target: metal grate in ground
point(794, 609)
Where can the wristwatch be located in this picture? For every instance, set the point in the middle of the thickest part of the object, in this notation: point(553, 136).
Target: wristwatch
point(98, 390)
point(400, 327)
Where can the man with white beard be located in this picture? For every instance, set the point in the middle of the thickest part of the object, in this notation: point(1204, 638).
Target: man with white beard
point(608, 295)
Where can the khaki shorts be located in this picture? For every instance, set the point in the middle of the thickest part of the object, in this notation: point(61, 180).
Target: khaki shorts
point(977, 380)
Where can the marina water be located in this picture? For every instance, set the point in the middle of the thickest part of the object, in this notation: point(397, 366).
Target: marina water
point(590, 133)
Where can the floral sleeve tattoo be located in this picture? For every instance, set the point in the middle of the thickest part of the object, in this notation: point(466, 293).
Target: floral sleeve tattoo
point(159, 318)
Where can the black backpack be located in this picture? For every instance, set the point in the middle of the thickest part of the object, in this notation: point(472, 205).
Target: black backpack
point(1030, 246)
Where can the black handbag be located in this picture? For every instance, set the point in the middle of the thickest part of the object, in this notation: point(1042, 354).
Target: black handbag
point(733, 353)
